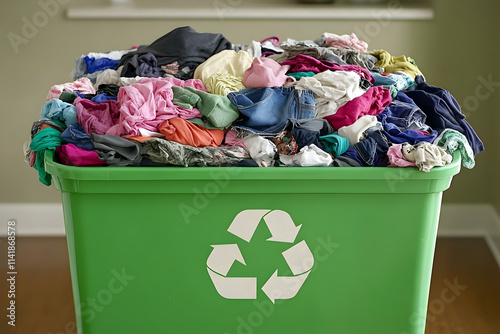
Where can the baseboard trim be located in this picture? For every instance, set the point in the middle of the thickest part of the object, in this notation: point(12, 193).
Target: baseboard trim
point(472, 220)
point(456, 220)
point(44, 219)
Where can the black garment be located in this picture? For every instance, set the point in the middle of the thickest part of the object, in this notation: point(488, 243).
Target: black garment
point(184, 45)
point(109, 89)
point(304, 137)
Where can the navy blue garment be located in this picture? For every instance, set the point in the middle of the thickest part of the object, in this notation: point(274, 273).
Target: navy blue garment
point(304, 137)
point(268, 110)
point(378, 134)
point(75, 134)
point(443, 111)
point(99, 64)
point(402, 119)
point(364, 152)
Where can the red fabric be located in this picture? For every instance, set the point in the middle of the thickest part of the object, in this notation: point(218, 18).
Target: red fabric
point(187, 133)
point(372, 102)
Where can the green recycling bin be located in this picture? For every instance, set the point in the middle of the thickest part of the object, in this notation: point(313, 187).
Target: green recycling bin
point(251, 250)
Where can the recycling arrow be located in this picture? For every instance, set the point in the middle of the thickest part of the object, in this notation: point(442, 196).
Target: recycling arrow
point(245, 223)
point(298, 257)
point(234, 287)
point(279, 222)
point(281, 226)
point(223, 256)
point(283, 287)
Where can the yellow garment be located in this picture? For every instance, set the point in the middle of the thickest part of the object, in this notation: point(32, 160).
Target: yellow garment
point(226, 62)
point(393, 64)
point(223, 84)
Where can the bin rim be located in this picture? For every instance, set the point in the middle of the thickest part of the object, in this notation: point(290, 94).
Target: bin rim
point(247, 173)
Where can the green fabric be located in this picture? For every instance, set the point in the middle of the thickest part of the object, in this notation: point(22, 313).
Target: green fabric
point(184, 98)
point(451, 140)
point(217, 109)
point(393, 90)
point(393, 64)
point(204, 123)
point(45, 139)
point(68, 97)
point(335, 144)
point(298, 75)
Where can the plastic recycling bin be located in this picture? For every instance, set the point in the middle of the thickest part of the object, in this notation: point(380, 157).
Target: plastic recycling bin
point(251, 250)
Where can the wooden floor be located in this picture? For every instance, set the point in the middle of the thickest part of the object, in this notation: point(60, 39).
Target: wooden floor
point(464, 297)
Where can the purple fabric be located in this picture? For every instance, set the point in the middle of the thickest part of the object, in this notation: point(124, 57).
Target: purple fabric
point(303, 63)
point(96, 117)
point(372, 102)
point(72, 155)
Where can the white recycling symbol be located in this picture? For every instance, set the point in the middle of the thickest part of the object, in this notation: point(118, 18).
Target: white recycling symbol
point(298, 257)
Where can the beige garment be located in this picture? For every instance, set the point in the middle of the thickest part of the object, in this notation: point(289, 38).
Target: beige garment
point(426, 155)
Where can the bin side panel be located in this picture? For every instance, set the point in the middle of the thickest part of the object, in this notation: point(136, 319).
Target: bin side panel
point(139, 262)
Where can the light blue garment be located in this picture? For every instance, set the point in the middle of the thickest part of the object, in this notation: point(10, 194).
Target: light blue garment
point(268, 110)
point(61, 111)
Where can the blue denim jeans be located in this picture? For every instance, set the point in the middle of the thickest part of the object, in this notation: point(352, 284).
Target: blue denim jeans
point(266, 111)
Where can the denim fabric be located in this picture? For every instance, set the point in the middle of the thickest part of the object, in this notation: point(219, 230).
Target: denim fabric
point(378, 134)
point(402, 119)
point(75, 134)
point(267, 110)
point(364, 152)
point(442, 111)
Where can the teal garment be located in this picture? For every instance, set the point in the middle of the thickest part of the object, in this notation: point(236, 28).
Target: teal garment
point(45, 139)
point(393, 90)
point(56, 109)
point(217, 109)
point(335, 144)
point(298, 75)
point(451, 140)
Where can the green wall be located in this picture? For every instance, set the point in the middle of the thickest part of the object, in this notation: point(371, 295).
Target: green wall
point(454, 50)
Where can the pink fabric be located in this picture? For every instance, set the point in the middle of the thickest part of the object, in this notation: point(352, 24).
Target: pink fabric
point(96, 117)
point(83, 85)
point(72, 155)
point(231, 139)
point(303, 63)
point(396, 157)
point(265, 72)
point(372, 102)
point(148, 103)
point(346, 42)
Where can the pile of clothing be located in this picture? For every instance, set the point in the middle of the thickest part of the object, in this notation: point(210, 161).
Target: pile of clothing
point(196, 99)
